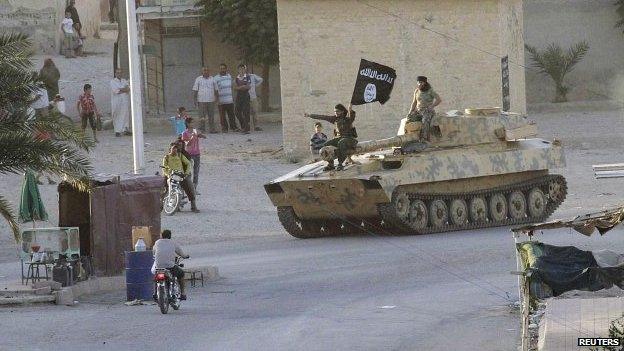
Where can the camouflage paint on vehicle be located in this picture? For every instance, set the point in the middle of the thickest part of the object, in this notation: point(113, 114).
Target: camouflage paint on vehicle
point(468, 156)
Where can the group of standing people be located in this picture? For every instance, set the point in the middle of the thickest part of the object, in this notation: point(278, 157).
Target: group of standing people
point(421, 110)
point(218, 90)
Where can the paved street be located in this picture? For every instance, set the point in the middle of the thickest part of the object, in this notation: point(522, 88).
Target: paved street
point(432, 292)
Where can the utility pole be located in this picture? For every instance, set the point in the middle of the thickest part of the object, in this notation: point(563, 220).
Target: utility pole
point(136, 101)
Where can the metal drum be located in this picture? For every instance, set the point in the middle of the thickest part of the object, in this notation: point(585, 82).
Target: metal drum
point(139, 277)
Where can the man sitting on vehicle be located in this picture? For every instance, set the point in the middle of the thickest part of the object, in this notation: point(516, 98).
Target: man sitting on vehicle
point(165, 251)
point(175, 161)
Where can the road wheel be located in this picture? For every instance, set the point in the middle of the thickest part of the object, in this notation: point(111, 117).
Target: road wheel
point(418, 216)
point(517, 205)
point(537, 203)
point(163, 301)
point(459, 212)
point(556, 190)
point(438, 213)
point(478, 210)
point(498, 207)
point(402, 206)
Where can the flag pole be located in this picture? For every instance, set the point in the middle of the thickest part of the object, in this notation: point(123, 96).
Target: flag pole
point(136, 102)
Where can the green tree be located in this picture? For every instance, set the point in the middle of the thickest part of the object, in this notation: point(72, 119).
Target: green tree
point(22, 144)
point(620, 11)
point(555, 63)
point(251, 26)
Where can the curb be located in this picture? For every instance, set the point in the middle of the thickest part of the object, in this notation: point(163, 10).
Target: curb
point(28, 299)
point(67, 295)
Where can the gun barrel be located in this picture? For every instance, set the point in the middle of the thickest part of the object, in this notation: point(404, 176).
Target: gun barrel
point(372, 145)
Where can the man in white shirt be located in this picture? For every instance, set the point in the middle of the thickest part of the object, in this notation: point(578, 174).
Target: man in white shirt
point(204, 91)
point(120, 104)
point(165, 251)
point(256, 80)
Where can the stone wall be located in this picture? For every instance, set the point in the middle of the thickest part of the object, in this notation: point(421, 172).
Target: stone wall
point(566, 22)
point(321, 43)
point(41, 20)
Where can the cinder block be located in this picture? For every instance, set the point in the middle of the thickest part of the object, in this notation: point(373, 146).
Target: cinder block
point(47, 283)
point(46, 290)
point(65, 297)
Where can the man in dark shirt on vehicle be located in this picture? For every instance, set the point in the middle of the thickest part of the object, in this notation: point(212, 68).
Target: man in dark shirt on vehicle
point(345, 135)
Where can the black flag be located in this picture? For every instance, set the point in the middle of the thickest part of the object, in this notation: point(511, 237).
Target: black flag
point(374, 83)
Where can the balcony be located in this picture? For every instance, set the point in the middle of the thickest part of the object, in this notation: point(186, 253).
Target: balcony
point(150, 3)
point(154, 9)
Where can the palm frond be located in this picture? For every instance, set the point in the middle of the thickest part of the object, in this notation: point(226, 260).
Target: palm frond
point(49, 144)
point(9, 216)
point(575, 55)
point(620, 12)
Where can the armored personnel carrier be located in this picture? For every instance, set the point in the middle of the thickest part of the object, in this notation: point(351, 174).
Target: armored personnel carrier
point(481, 168)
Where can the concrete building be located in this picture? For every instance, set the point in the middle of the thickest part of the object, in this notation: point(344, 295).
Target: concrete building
point(322, 42)
point(566, 22)
point(177, 44)
point(41, 20)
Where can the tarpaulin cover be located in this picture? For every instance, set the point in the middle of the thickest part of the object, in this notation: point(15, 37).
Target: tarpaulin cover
point(107, 214)
point(602, 222)
point(553, 270)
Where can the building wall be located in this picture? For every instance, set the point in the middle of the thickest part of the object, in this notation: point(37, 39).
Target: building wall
point(214, 52)
point(217, 52)
point(41, 20)
point(90, 13)
point(566, 22)
point(320, 50)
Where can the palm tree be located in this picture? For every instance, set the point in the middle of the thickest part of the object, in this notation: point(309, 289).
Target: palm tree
point(553, 62)
point(21, 144)
point(620, 12)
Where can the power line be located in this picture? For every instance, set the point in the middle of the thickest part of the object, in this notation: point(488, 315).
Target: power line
point(449, 37)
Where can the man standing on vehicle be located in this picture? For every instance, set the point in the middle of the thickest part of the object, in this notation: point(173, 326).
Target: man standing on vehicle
point(165, 252)
point(175, 161)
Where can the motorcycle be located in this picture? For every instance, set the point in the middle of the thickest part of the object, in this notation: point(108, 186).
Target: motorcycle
point(167, 289)
point(175, 199)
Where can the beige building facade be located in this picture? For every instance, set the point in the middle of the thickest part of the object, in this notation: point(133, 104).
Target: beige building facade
point(177, 43)
point(458, 44)
point(41, 20)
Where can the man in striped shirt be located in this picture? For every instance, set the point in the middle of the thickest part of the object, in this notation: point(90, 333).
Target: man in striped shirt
point(225, 101)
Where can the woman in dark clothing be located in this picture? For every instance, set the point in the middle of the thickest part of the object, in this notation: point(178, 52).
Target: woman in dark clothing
point(50, 76)
point(242, 105)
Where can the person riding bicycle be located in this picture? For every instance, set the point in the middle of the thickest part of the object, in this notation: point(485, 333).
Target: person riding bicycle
point(165, 252)
point(175, 161)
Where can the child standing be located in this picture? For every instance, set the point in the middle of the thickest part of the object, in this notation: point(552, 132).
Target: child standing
point(67, 26)
point(318, 139)
point(87, 110)
point(178, 121)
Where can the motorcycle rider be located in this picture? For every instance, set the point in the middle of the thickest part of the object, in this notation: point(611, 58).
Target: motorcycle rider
point(165, 251)
point(175, 161)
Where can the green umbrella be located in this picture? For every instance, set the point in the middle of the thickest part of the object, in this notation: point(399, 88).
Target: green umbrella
point(31, 206)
